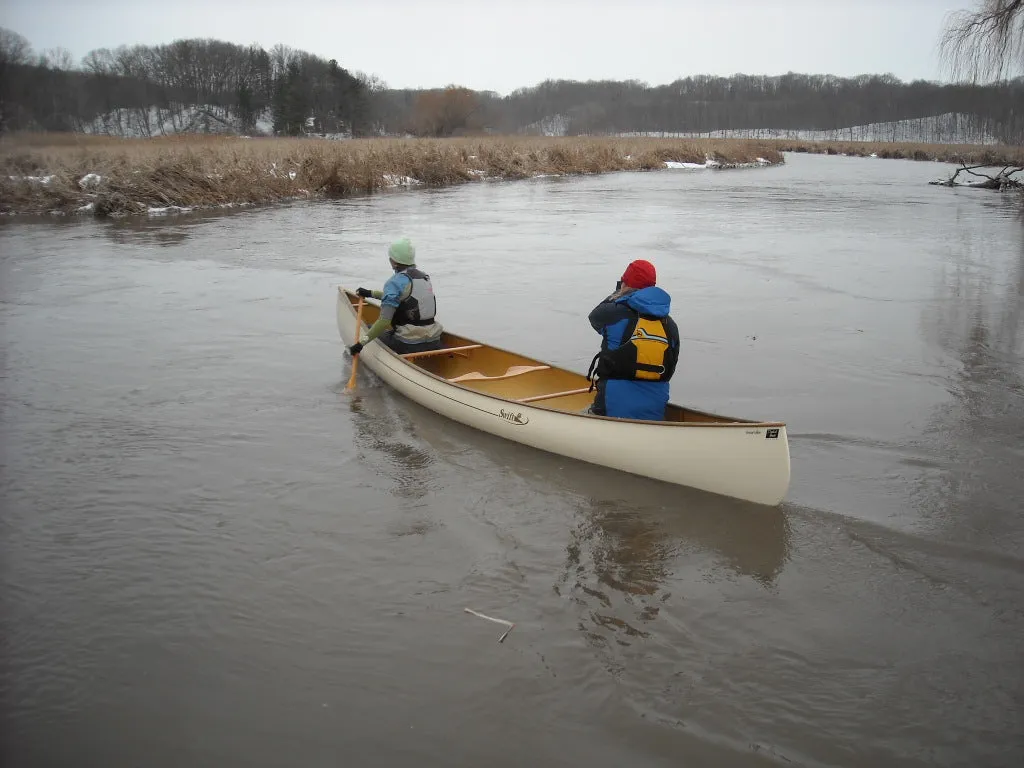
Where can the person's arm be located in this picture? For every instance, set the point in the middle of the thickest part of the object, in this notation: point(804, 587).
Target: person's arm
point(383, 324)
point(390, 298)
point(608, 312)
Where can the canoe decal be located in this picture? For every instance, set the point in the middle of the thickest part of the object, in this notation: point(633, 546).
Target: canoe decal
point(514, 418)
point(772, 433)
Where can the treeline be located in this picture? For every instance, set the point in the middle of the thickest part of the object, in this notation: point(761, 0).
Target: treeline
point(703, 104)
point(215, 85)
point(300, 91)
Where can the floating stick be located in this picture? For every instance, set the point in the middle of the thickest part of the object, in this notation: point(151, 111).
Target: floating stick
point(508, 624)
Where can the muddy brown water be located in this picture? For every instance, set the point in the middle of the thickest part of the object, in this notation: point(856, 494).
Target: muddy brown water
point(214, 556)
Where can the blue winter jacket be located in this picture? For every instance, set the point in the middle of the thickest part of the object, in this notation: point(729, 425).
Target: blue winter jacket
point(624, 398)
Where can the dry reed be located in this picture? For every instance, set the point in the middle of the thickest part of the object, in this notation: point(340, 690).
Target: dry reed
point(111, 176)
point(972, 154)
point(42, 173)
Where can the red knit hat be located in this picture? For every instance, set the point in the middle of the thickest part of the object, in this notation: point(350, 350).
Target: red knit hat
point(640, 274)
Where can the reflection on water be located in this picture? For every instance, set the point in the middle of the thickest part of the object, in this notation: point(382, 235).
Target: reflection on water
point(631, 542)
point(976, 320)
point(384, 450)
point(173, 228)
point(632, 552)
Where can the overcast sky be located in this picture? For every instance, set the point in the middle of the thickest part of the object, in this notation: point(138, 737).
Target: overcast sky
point(502, 45)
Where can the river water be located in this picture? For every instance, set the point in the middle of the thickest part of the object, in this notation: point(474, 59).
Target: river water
point(214, 556)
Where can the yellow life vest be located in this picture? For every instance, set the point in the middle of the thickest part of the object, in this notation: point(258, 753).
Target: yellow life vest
point(651, 342)
point(649, 352)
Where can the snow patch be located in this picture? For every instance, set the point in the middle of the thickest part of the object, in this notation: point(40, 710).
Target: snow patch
point(177, 118)
point(33, 179)
point(265, 124)
point(167, 209)
point(948, 128)
point(711, 163)
point(556, 125)
point(393, 180)
point(90, 181)
point(708, 163)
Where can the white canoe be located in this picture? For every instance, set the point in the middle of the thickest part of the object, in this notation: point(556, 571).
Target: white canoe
point(537, 404)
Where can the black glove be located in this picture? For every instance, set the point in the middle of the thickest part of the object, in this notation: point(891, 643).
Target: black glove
point(355, 349)
point(618, 285)
point(364, 292)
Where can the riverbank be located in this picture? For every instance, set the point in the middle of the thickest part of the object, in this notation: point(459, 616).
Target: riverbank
point(972, 154)
point(108, 176)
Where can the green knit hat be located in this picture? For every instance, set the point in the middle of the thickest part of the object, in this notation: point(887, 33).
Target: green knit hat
point(403, 252)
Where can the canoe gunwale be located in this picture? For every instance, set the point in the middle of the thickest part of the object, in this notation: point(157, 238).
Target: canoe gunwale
point(389, 354)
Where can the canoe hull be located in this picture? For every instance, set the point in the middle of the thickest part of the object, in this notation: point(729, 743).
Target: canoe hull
point(744, 460)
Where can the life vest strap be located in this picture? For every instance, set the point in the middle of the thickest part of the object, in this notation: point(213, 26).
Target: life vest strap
point(651, 368)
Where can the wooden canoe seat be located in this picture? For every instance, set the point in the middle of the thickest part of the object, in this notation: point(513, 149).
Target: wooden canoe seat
point(514, 370)
point(443, 351)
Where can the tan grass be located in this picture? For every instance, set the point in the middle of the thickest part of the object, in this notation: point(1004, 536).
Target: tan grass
point(972, 154)
point(200, 171)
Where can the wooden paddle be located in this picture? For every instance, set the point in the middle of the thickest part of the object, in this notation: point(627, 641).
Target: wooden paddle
point(355, 358)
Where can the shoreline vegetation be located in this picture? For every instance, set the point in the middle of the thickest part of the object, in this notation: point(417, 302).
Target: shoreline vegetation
point(65, 173)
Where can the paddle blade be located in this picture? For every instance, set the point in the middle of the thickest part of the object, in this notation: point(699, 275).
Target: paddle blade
point(355, 360)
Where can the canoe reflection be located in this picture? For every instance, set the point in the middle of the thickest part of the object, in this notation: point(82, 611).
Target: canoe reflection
point(631, 542)
point(381, 431)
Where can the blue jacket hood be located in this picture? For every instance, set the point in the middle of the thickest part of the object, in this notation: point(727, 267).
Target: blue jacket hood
point(649, 301)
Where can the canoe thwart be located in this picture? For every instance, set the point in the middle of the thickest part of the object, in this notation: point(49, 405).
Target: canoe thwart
point(553, 395)
point(444, 351)
point(513, 370)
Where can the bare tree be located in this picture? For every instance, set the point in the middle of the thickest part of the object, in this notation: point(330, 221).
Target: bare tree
point(100, 62)
point(447, 112)
point(14, 49)
point(57, 58)
point(987, 42)
point(372, 83)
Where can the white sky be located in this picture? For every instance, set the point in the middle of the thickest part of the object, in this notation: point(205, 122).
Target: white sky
point(502, 45)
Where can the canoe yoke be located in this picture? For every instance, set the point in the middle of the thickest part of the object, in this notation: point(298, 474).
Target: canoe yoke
point(510, 372)
point(513, 370)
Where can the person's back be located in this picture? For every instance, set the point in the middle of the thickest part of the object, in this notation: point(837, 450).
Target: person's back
point(639, 350)
point(407, 320)
point(411, 294)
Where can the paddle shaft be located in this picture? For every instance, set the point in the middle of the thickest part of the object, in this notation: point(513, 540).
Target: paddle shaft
point(355, 358)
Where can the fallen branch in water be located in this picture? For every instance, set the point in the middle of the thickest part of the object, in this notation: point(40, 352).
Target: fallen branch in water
point(1000, 182)
point(508, 624)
